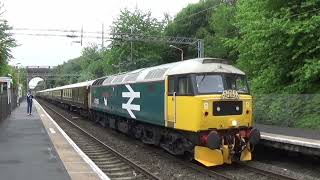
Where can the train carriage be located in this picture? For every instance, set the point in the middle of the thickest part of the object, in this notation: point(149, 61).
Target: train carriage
point(73, 97)
point(200, 107)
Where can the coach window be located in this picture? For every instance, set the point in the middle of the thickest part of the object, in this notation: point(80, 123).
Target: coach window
point(184, 86)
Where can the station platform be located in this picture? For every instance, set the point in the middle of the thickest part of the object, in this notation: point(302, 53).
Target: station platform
point(26, 151)
point(305, 141)
point(35, 148)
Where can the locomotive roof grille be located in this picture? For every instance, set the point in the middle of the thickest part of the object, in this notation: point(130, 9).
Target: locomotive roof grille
point(108, 80)
point(99, 81)
point(119, 78)
point(156, 73)
point(131, 77)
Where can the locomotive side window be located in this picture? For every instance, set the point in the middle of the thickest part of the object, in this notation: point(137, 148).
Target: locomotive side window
point(171, 85)
point(184, 86)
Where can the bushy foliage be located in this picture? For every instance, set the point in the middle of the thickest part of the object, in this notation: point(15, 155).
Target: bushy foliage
point(192, 21)
point(7, 42)
point(278, 44)
point(94, 62)
point(123, 57)
point(289, 110)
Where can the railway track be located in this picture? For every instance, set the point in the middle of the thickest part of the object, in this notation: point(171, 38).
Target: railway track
point(232, 172)
point(112, 163)
point(117, 170)
point(266, 173)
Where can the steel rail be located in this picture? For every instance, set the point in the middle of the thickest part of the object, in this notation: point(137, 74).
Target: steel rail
point(267, 173)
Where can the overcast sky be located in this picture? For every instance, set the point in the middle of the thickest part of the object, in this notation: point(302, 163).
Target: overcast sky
point(69, 14)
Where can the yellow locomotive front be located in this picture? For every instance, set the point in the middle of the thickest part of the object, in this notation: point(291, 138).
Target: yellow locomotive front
point(218, 107)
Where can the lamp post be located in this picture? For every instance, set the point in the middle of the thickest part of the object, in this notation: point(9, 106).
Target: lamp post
point(131, 44)
point(18, 73)
point(19, 87)
point(179, 50)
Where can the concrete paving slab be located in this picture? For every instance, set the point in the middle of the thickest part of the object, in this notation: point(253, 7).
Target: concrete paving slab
point(305, 141)
point(26, 151)
point(290, 131)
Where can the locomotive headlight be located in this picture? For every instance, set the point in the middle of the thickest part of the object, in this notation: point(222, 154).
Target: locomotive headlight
point(247, 104)
point(237, 108)
point(206, 105)
point(234, 123)
point(218, 109)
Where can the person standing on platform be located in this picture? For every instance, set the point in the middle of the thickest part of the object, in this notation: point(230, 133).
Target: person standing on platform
point(29, 101)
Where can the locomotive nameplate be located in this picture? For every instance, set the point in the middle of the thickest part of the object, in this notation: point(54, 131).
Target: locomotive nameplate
point(230, 94)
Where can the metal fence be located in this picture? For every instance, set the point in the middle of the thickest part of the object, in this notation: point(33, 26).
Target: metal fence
point(5, 108)
point(288, 110)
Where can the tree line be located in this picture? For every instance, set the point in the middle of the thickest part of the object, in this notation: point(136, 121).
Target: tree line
point(7, 43)
point(276, 42)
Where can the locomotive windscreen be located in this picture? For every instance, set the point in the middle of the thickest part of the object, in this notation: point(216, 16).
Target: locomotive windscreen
point(217, 83)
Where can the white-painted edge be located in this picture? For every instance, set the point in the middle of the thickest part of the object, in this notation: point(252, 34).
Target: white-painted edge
point(52, 130)
point(291, 140)
point(94, 167)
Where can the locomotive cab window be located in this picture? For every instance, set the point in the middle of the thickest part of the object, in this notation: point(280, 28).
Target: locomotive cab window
point(209, 83)
point(218, 82)
point(237, 82)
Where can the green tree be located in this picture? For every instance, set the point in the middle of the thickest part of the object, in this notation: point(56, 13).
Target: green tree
point(142, 54)
point(211, 20)
point(7, 42)
point(278, 44)
point(222, 24)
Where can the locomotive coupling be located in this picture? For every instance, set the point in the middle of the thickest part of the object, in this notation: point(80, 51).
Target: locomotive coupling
point(212, 140)
point(216, 149)
point(254, 136)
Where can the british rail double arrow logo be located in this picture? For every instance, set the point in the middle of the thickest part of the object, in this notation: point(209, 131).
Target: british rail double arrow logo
point(128, 106)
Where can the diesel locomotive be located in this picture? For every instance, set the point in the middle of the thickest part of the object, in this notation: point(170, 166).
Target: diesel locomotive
point(201, 108)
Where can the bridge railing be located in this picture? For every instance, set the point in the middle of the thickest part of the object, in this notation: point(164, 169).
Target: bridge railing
point(288, 110)
point(40, 67)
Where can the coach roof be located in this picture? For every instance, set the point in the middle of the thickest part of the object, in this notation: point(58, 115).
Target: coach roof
point(81, 84)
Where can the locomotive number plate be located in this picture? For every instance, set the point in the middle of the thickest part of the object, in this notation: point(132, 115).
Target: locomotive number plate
point(230, 94)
